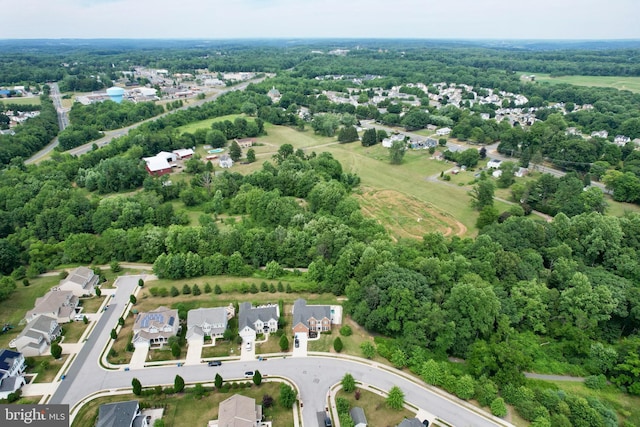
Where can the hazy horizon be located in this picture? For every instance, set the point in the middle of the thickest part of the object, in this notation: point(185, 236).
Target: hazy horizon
point(563, 20)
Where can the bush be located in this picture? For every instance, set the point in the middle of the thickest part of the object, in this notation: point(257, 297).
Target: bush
point(196, 290)
point(137, 386)
point(186, 290)
point(207, 288)
point(498, 407)
point(217, 290)
point(115, 267)
point(174, 292)
point(348, 383)
point(337, 344)
point(178, 384)
point(284, 343)
point(596, 382)
point(346, 331)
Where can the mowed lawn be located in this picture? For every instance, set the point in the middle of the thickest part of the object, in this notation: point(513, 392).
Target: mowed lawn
point(621, 83)
point(185, 409)
point(30, 100)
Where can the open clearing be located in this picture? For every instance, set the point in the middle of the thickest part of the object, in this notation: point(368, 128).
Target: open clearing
point(405, 216)
point(621, 83)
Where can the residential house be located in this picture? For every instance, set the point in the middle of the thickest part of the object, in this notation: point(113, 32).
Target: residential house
point(357, 415)
point(600, 134)
point(274, 94)
point(159, 164)
point(155, 327)
point(121, 414)
point(12, 368)
point(225, 161)
point(494, 164)
point(255, 320)
point(211, 322)
point(81, 281)
point(621, 140)
point(521, 172)
point(311, 318)
point(411, 422)
point(35, 338)
point(239, 411)
point(245, 143)
point(443, 131)
point(183, 153)
point(61, 305)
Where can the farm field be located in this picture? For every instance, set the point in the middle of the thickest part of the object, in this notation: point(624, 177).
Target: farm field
point(621, 83)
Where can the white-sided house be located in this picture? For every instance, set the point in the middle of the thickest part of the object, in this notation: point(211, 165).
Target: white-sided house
point(35, 338)
point(239, 411)
point(358, 417)
point(494, 164)
point(81, 281)
point(254, 320)
point(225, 161)
point(12, 368)
point(121, 414)
point(183, 153)
point(208, 322)
point(443, 131)
point(155, 327)
point(61, 305)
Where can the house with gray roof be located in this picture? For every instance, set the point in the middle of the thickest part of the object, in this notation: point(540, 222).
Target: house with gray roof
point(357, 415)
point(311, 318)
point(61, 305)
point(208, 322)
point(239, 411)
point(12, 366)
point(121, 414)
point(155, 327)
point(257, 320)
point(411, 422)
point(81, 281)
point(35, 338)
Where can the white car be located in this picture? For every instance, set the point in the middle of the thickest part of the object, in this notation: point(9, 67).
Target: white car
point(248, 346)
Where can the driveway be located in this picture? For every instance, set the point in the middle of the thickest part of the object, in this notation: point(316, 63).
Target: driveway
point(301, 350)
point(194, 353)
point(139, 357)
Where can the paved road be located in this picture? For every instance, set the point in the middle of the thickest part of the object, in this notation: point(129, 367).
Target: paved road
point(313, 375)
point(63, 121)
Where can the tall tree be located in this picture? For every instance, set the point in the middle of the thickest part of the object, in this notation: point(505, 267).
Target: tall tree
point(397, 151)
point(235, 152)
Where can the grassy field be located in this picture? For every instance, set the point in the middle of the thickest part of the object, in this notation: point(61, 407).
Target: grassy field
point(73, 331)
point(375, 408)
point(33, 100)
point(206, 124)
point(622, 83)
point(47, 367)
point(185, 409)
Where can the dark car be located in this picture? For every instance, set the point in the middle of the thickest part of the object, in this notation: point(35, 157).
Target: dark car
point(248, 374)
point(214, 363)
point(297, 342)
point(327, 421)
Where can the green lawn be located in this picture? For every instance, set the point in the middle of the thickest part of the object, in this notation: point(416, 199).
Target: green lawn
point(206, 124)
point(622, 83)
point(72, 331)
point(221, 349)
point(185, 409)
point(46, 367)
point(34, 100)
point(376, 409)
point(91, 305)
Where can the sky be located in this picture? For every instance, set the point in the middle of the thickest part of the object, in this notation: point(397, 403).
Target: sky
point(230, 19)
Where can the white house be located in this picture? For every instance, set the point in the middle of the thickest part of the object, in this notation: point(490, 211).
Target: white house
point(12, 367)
point(621, 139)
point(183, 153)
point(211, 322)
point(255, 320)
point(61, 305)
point(494, 164)
point(155, 327)
point(443, 131)
point(225, 161)
point(81, 281)
point(35, 338)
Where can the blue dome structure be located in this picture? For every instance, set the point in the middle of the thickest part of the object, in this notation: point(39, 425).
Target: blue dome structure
point(115, 93)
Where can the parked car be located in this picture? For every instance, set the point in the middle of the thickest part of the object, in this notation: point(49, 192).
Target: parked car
point(248, 346)
point(327, 421)
point(248, 374)
point(214, 363)
point(296, 342)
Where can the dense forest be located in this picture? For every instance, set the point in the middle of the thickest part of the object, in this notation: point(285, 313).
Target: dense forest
point(523, 295)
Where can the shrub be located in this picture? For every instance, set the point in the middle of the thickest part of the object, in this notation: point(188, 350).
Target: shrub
point(178, 384)
point(133, 299)
point(217, 290)
point(174, 291)
point(267, 401)
point(348, 383)
point(368, 350)
point(26, 282)
point(137, 386)
point(196, 290)
point(596, 382)
point(115, 266)
point(498, 407)
point(337, 344)
point(186, 289)
point(155, 291)
point(207, 288)
point(346, 331)
point(284, 343)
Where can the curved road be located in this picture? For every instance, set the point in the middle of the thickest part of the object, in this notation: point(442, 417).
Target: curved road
point(313, 375)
